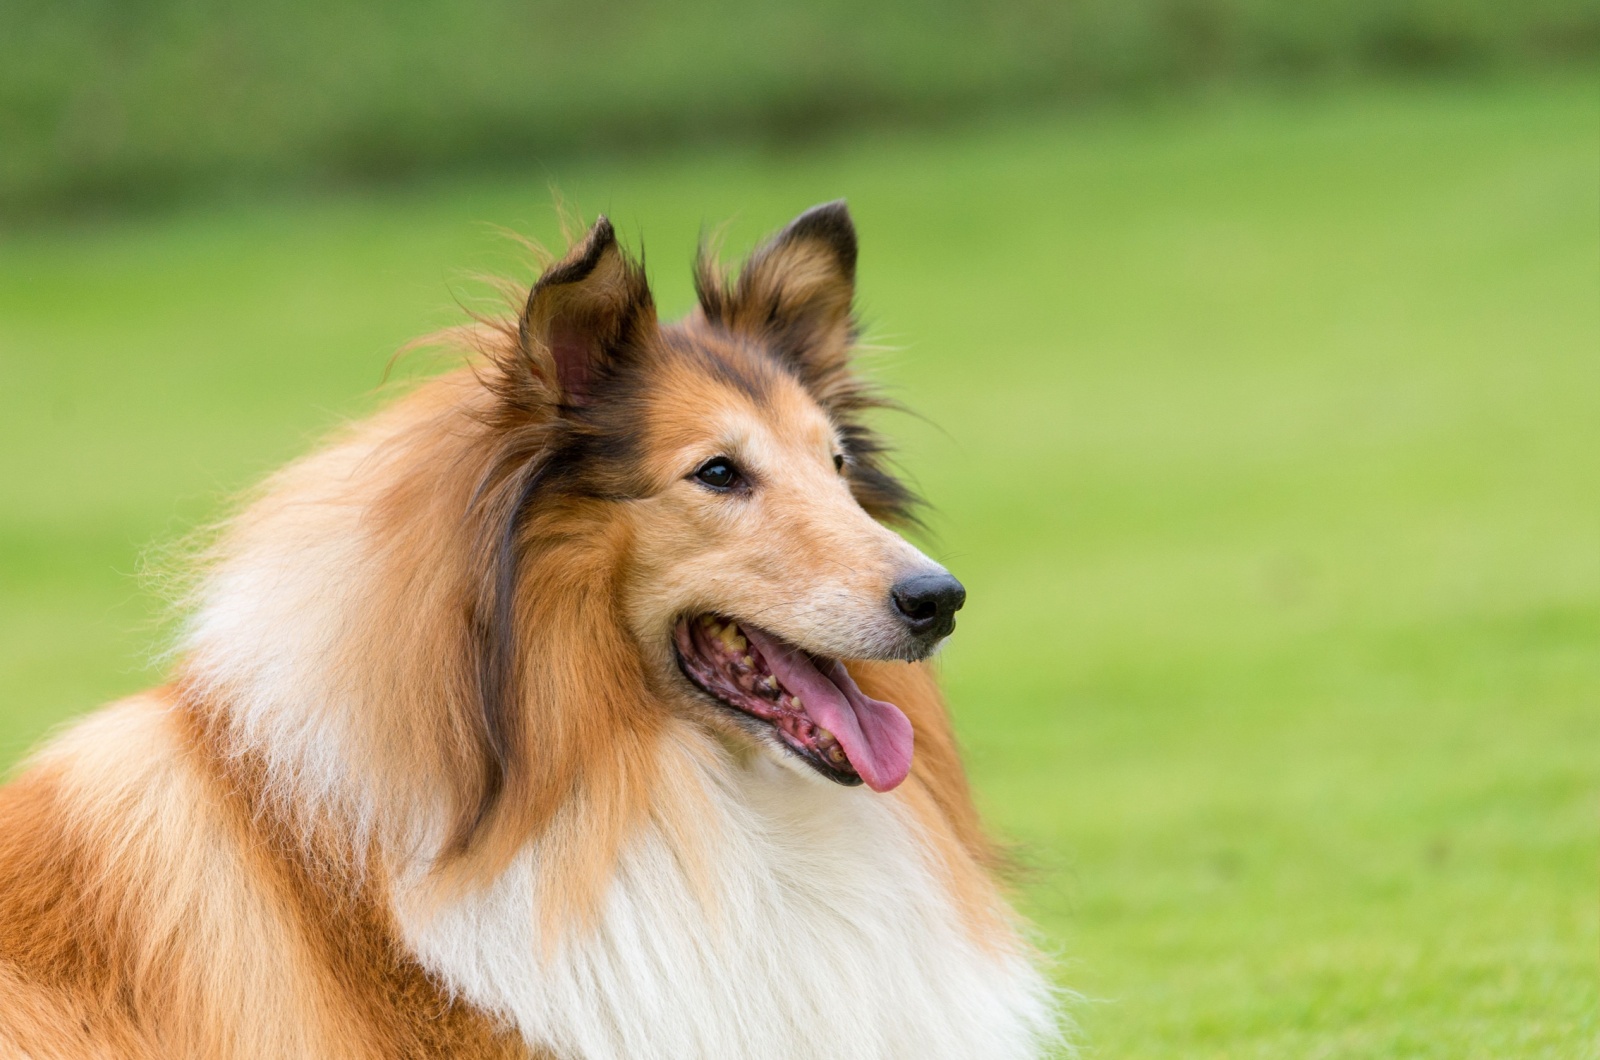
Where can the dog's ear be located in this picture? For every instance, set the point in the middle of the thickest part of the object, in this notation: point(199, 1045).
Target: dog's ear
point(795, 292)
point(586, 314)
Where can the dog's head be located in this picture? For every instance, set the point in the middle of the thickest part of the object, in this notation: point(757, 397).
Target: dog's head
point(732, 492)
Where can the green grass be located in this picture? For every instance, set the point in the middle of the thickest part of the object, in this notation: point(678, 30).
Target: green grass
point(1270, 455)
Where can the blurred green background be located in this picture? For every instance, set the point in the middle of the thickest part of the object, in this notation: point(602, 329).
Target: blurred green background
point(123, 102)
point(1259, 344)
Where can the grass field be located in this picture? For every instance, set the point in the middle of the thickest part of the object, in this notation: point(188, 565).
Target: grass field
point(1268, 445)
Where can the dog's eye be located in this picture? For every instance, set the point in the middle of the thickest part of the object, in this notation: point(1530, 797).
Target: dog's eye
point(719, 473)
point(838, 461)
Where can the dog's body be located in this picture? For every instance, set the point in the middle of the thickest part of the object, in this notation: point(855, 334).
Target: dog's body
point(476, 748)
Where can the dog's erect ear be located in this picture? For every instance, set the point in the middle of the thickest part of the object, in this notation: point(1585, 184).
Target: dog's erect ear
point(795, 291)
point(586, 314)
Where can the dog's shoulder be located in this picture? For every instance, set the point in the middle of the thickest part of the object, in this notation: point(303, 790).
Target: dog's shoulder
point(147, 908)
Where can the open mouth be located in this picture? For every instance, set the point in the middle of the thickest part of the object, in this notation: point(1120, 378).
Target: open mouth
point(813, 705)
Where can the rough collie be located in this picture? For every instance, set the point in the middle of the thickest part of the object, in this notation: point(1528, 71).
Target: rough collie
point(575, 706)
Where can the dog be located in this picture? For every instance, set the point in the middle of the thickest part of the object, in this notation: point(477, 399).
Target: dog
point(576, 705)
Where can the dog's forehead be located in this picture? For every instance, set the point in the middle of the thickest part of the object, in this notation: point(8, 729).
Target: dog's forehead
point(723, 391)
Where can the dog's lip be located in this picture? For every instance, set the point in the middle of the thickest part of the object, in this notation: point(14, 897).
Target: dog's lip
point(800, 697)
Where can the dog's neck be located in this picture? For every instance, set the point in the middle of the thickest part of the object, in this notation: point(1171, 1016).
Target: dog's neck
point(791, 918)
point(757, 912)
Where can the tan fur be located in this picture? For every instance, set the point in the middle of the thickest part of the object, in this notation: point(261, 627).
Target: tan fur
point(151, 911)
point(170, 887)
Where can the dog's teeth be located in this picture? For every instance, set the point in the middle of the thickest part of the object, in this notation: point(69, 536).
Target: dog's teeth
point(731, 639)
point(748, 661)
point(794, 703)
point(823, 734)
point(769, 683)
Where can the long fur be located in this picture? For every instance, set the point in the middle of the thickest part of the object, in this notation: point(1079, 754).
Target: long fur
point(425, 784)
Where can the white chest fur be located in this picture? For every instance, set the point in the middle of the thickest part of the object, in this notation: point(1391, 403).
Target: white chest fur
point(830, 937)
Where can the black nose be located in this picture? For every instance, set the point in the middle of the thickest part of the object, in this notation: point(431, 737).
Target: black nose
point(928, 603)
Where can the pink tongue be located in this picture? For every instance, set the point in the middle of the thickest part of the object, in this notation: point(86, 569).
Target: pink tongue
point(875, 735)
